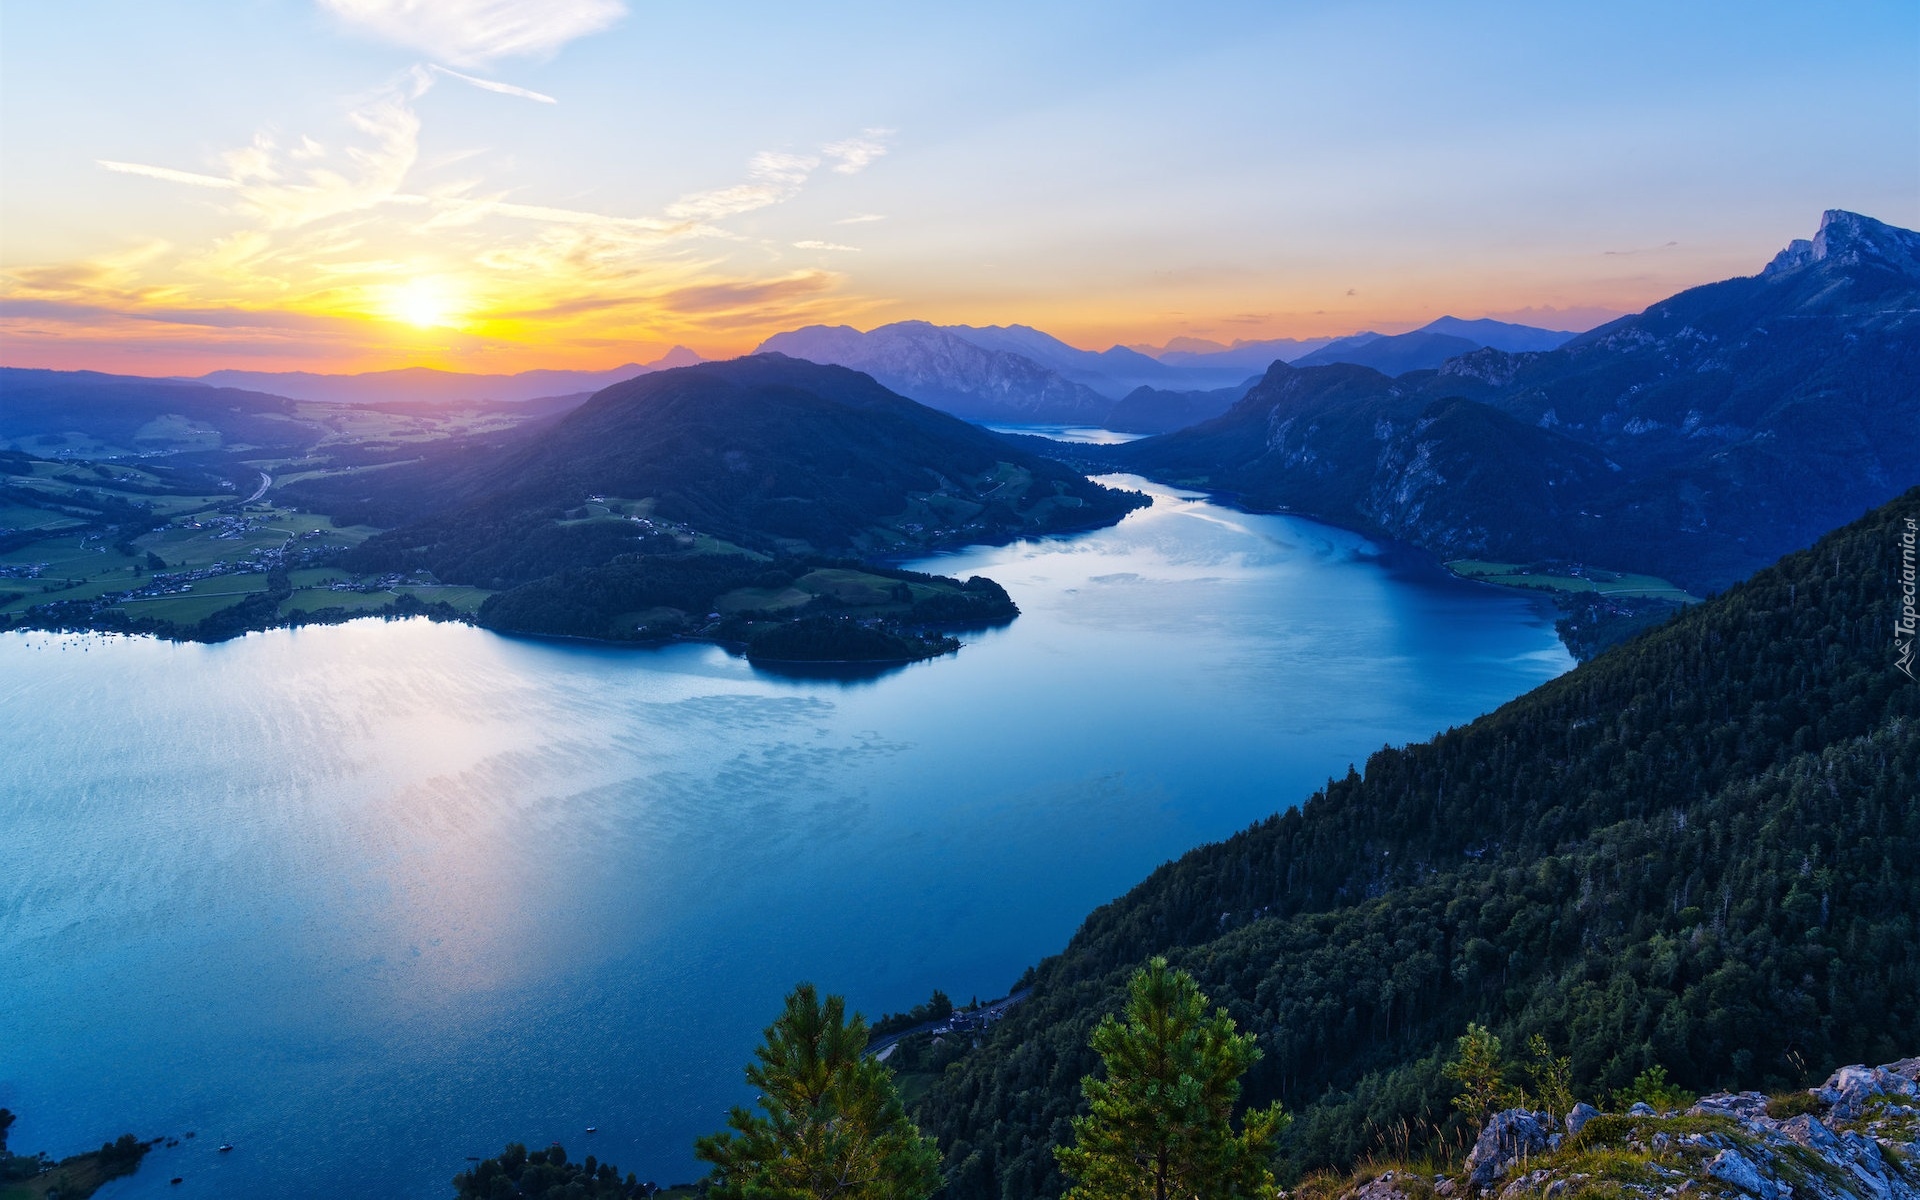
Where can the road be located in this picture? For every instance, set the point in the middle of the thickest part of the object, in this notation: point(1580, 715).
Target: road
point(986, 1013)
point(266, 481)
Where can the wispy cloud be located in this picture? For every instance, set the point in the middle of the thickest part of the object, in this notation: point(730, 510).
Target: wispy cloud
point(861, 219)
point(773, 177)
point(473, 33)
point(323, 225)
point(735, 297)
point(168, 174)
point(494, 85)
point(1638, 250)
point(855, 153)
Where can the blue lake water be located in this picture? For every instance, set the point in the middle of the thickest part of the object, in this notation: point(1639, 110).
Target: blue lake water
point(1090, 435)
point(366, 899)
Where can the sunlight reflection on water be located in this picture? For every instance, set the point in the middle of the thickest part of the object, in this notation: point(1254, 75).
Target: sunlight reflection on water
point(366, 899)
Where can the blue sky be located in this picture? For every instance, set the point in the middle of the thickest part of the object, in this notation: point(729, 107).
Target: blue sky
point(323, 184)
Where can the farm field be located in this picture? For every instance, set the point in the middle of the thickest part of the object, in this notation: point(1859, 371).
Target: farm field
point(1572, 579)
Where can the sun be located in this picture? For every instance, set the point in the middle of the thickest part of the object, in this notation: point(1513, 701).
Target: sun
point(425, 302)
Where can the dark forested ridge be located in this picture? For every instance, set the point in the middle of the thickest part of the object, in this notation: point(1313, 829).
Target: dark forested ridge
point(1698, 440)
point(696, 502)
point(1701, 849)
point(769, 452)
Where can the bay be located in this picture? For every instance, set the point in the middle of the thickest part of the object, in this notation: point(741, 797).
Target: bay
point(364, 900)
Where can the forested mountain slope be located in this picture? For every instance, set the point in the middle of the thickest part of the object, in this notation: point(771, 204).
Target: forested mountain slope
point(1730, 424)
point(1701, 849)
point(768, 452)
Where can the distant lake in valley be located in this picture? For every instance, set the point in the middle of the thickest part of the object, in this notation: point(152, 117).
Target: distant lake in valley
point(1084, 434)
point(366, 899)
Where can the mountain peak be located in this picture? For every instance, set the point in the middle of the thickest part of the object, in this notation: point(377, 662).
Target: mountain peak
point(679, 356)
point(1850, 240)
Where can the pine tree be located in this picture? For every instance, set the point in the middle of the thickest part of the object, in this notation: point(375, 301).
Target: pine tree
point(1161, 1121)
point(1482, 1072)
point(1552, 1078)
point(834, 1123)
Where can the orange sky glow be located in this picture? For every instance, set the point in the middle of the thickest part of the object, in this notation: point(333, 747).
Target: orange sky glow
point(492, 185)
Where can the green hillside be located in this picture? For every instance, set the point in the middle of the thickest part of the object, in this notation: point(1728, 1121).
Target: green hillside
point(1701, 849)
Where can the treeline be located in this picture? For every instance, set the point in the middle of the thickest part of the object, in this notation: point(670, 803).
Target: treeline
point(259, 610)
point(116, 1158)
point(650, 597)
point(518, 1174)
point(1701, 850)
point(844, 639)
point(502, 550)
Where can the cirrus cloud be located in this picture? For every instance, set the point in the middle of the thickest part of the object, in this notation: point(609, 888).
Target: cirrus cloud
point(473, 33)
point(854, 154)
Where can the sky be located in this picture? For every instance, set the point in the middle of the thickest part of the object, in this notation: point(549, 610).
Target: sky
point(497, 185)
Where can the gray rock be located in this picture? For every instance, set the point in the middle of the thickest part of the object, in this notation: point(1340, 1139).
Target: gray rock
point(1578, 1118)
point(1734, 1169)
point(1381, 1187)
point(1642, 1109)
point(1849, 1088)
point(1906, 1068)
point(1809, 1132)
point(1526, 1183)
point(1509, 1137)
point(1868, 1168)
point(1744, 1106)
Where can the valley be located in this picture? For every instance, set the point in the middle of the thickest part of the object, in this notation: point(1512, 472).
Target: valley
point(711, 534)
point(1070, 601)
point(1611, 493)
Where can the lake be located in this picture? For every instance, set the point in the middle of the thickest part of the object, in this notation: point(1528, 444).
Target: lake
point(366, 899)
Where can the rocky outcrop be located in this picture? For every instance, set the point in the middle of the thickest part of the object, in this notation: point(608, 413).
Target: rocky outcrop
point(1855, 1137)
point(1852, 1089)
point(1388, 1185)
point(1510, 1138)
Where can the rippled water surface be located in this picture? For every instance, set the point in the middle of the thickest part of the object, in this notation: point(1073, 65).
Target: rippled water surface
point(364, 900)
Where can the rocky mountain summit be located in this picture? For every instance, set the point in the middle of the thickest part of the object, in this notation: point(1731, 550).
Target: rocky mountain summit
point(1696, 440)
point(1855, 1137)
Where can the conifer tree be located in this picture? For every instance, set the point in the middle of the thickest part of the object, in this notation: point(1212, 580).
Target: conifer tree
point(1481, 1071)
point(1161, 1121)
point(1552, 1078)
point(834, 1123)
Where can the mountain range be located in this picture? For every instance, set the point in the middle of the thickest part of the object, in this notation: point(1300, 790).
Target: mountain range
point(1014, 374)
point(1696, 440)
point(424, 385)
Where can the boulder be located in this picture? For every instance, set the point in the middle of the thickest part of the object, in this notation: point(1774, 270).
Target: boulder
point(1509, 1137)
point(1642, 1109)
point(1384, 1186)
point(1736, 1170)
point(1578, 1118)
point(1743, 1106)
point(1849, 1088)
point(1809, 1132)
